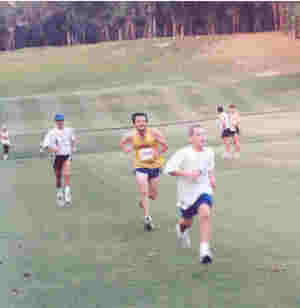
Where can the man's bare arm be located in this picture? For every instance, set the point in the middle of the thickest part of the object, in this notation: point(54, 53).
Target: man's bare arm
point(125, 141)
point(161, 140)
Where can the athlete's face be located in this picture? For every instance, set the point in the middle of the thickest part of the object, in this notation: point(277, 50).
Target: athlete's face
point(140, 123)
point(198, 138)
point(60, 124)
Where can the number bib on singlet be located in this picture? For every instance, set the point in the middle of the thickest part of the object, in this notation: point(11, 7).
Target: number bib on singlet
point(146, 154)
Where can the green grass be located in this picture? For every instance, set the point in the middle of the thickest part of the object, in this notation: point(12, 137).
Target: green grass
point(96, 253)
point(98, 249)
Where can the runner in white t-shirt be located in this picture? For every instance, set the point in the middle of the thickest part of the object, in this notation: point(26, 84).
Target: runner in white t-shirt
point(227, 131)
point(5, 141)
point(61, 141)
point(194, 168)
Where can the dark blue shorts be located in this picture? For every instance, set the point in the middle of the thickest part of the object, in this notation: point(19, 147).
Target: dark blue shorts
point(152, 172)
point(191, 211)
point(59, 161)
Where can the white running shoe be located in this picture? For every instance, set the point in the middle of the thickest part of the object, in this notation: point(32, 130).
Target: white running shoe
point(5, 157)
point(183, 239)
point(68, 195)
point(60, 198)
point(148, 225)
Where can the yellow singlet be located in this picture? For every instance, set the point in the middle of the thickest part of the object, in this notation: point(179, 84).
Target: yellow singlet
point(144, 147)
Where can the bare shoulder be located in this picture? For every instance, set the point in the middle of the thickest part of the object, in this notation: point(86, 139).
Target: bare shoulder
point(156, 132)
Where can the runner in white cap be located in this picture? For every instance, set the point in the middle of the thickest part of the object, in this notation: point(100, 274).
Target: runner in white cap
point(61, 141)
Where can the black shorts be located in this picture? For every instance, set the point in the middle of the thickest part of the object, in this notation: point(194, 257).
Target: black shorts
point(228, 133)
point(59, 161)
point(151, 172)
point(237, 130)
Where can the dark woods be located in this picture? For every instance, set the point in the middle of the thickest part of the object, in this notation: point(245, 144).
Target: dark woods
point(28, 24)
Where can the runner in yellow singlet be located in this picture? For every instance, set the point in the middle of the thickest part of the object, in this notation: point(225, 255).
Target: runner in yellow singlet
point(148, 144)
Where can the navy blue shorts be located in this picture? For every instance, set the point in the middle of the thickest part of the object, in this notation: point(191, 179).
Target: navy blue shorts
point(191, 211)
point(59, 161)
point(152, 172)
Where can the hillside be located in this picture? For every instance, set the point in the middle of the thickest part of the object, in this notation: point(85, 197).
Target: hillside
point(100, 85)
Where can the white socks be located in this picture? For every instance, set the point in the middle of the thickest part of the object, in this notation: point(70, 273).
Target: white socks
point(67, 189)
point(204, 249)
point(148, 218)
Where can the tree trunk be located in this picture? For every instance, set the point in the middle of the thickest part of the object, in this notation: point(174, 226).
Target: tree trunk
point(106, 33)
point(126, 31)
point(191, 32)
point(165, 29)
point(146, 30)
point(297, 27)
point(236, 20)
point(181, 31)
point(276, 16)
point(69, 39)
point(132, 30)
point(281, 16)
point(154, 28)
point(174, 27)
point(292, 31)
point(120, 34)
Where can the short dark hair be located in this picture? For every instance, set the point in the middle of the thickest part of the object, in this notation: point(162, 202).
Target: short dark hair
point(139, 114)
point(220, 109)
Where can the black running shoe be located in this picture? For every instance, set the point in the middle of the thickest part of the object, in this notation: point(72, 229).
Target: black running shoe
point(206, 259)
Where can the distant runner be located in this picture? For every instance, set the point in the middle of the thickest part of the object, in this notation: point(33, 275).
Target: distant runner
point(148, 161)
point(235, 121)
point(61, 141)
point(194, 168)
point(5, 141)
point(226, 131)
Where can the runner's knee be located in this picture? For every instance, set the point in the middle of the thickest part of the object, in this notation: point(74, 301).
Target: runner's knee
point(153, 194)
point(204, 212)
point(67, 173)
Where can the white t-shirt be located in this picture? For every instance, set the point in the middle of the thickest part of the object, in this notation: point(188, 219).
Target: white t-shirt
point(61, 139)
point(223, 118)
point(187, 159)
point(4, 138)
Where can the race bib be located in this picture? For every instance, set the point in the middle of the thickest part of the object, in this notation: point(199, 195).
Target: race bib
point(146, 154)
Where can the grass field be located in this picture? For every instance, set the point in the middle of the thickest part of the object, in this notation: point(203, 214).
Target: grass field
point(96, 253)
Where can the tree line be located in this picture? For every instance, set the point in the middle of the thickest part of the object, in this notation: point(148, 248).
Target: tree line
point(30, 24)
